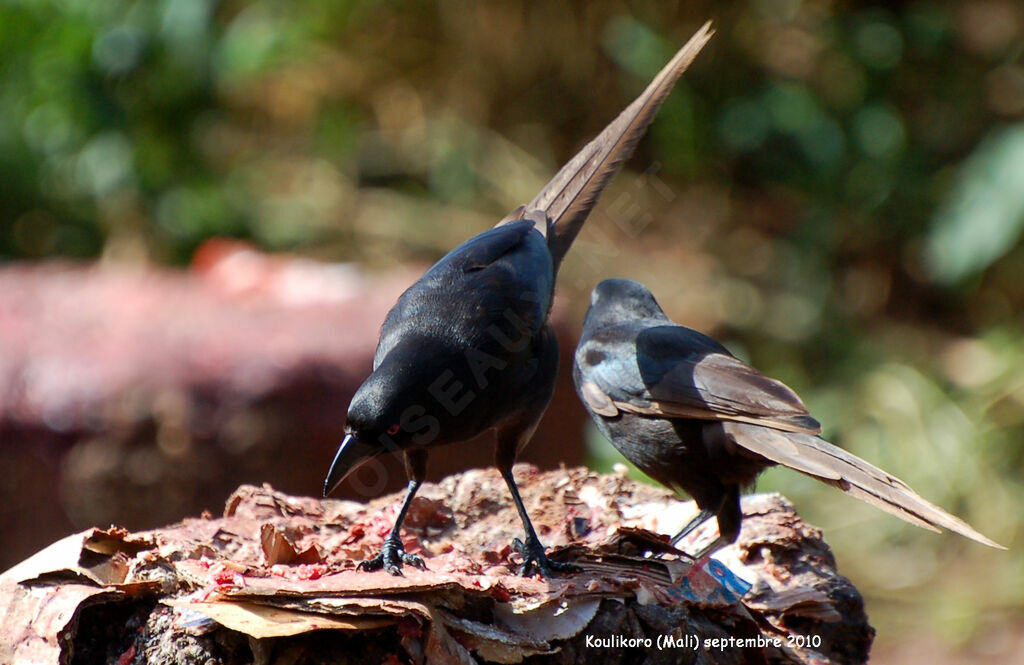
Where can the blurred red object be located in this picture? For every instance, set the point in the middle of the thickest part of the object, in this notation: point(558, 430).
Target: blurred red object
point(138, 395)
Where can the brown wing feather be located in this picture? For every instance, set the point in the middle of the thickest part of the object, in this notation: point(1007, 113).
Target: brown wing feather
point(716, 386)
point(830, 464)
point(569, 197)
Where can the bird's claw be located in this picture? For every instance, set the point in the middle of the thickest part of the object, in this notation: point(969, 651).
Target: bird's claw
point(391, 557)
point(533, 556)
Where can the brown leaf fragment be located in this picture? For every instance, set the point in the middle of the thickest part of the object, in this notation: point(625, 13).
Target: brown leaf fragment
point(443, 649)
point(493, 643)
point(277, 548)
point(262, 621)
point(100, 556)
point(36, 623)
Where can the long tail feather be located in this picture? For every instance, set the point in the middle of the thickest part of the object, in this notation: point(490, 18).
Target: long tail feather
point(570, 196)
point(830, 464)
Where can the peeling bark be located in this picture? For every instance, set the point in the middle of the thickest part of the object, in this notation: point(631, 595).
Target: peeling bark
point(275, 581)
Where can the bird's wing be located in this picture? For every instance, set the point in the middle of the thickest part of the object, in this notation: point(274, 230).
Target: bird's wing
point(727, 388)
point(830, 464)
point(569, 197)
point(675, 372)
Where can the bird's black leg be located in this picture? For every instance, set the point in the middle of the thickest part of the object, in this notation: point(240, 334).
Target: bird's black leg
point(730, 517)
point(510, 440)
point(532, 550)
point(703, 516)
point(392, 553)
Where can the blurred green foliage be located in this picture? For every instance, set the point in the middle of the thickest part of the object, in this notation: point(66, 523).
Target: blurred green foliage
point(835, 190)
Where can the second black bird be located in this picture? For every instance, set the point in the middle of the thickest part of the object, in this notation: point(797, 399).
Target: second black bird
point(693, 417)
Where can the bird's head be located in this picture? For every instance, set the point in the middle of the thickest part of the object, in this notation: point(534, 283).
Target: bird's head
point(375, 426)
point(616, 301)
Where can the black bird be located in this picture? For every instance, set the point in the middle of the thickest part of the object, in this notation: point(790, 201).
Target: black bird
point(692, 416)
point(468, 347)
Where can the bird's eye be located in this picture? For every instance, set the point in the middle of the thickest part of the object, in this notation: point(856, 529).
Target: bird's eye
point(394, 429)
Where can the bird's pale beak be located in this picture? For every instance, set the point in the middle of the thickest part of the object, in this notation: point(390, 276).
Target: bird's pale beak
point(351, 454)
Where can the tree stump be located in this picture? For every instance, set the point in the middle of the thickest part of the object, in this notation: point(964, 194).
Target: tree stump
point(275, 581)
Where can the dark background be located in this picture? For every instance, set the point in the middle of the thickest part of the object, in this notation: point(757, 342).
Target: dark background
point(835, 190)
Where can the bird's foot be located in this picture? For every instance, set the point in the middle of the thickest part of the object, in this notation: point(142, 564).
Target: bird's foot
point(682, 554)
point(533, 556)
point(391, 557)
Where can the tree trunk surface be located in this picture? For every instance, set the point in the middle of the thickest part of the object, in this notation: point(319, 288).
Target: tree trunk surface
point(274, 581)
